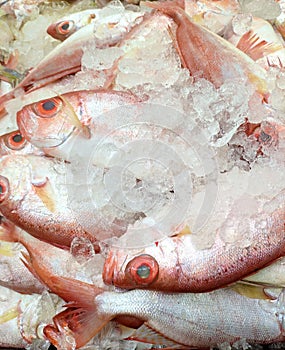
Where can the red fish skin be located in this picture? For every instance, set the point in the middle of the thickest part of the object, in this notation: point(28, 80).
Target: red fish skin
point(183, 268)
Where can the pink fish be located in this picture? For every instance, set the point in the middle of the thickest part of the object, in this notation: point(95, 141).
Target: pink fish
point(176, 264)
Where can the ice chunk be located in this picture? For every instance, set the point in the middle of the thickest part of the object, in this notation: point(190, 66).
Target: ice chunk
point(241, 23)
point(266, 9)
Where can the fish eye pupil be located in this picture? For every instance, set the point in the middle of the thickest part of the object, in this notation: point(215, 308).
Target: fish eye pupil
point(17, 138)
point(65, 26)
point(2, 189)
point(143, 271)
point(48, 105)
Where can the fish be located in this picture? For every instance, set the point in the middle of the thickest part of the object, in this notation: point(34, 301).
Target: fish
point(209, 55)
point(44, 197)
point(198, 320)
point(115, 20)
point(15, 143)
point(261, 43)
point(175, 264)
point(34, 196)
point(64, 59)
point(49, 123)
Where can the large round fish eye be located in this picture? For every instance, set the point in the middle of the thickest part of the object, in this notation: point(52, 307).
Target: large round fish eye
point(143, 269)
point(4, 188)
point(48, 108)
point(65, 27)
point(15, 140)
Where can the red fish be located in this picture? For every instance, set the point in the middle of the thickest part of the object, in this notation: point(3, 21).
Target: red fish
point(175, 264)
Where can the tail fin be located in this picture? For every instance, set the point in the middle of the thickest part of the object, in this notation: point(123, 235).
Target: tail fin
point(80, 320)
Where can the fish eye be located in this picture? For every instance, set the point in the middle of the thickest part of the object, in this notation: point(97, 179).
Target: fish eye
point(15, 140)
point(143, 269)
point(48, 108)
point(65, 27)
point(4, 188)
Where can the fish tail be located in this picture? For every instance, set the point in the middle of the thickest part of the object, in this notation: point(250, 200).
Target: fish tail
point(174, 9)
point(81, 320)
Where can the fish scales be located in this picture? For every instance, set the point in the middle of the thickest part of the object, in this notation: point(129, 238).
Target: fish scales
point(200, 320)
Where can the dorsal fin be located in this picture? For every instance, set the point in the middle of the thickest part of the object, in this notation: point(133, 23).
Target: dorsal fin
point(251, 44)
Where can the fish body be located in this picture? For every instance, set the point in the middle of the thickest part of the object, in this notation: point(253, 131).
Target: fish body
point(210, 56)
point(69, 113)
point(35, 197)
point(122, 20)
point(176, 264)
point(198, 320)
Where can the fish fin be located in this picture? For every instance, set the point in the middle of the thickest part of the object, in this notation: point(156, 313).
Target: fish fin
point(8, 315)
point(6, 249)
point(27, 261)
point(45, 192)
point(250, 290)
point(74, 120)
point(145, 334)
point(251, 44)
point(81, 318)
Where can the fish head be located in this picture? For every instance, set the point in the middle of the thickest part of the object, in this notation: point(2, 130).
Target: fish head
point(62, 29)
point(47, 123)
point(139, 271)
point(15, 143)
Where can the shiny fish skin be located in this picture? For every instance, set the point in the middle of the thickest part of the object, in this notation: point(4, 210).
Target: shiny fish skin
point(37, 199)
point(181, 267)
point(195, 320)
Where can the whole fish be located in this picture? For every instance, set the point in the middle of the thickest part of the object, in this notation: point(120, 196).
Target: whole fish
point(209, 55)
point(193, 320)
point(42, 196)
point(49, 123)
point(34, 196)
point(15, 143)
point(175, 264)
point(116, 20)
